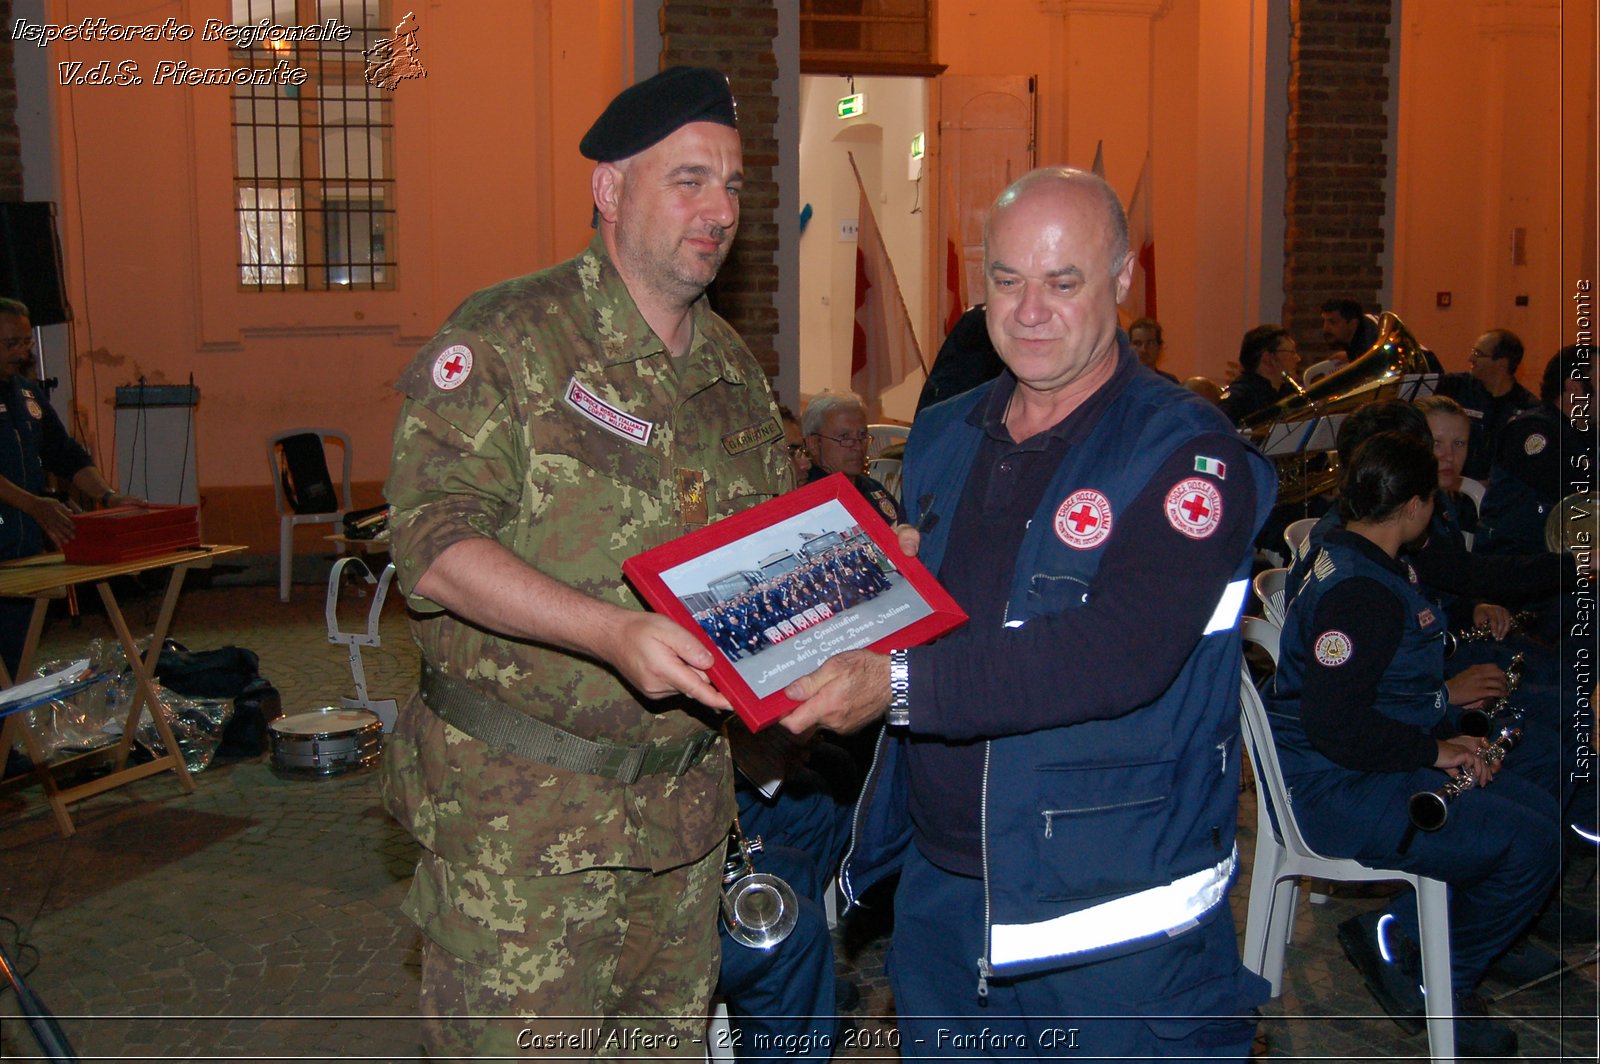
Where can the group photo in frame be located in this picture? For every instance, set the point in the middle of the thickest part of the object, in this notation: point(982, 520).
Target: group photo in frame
point(777, 590)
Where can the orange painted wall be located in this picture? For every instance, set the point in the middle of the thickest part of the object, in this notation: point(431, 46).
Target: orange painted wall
point(1496, 135)
point(1177, 79)
point(1492, 135)
point(488, 187)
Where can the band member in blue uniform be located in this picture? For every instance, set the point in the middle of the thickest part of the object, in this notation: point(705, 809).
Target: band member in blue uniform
point(1359, 705)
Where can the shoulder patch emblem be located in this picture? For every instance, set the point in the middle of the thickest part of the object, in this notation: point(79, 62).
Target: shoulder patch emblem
point(1194, 507)
point(1333, 648)
point(34, 410)
point(751, 436)
point(1324, 566)
point(1083, 520)
point(1425, 618)
point(607, 416)
point(450, 369)
point(1212, 466)
point(1535, 443)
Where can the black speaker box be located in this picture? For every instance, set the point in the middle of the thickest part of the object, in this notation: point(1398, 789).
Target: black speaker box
point(30, 261)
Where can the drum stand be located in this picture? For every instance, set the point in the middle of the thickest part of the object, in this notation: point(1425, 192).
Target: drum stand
point(385, 709)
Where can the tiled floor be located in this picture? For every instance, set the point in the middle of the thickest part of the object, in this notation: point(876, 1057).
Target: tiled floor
point(258, 917)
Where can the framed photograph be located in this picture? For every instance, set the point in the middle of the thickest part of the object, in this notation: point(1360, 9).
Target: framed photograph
point(775, 591)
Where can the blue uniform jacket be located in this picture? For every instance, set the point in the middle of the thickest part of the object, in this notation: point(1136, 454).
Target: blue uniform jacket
point(1412, 689)
point(33, 442)
point(1102, 837)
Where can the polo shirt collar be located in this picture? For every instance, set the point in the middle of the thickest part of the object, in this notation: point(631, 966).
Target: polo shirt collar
point(990, 416)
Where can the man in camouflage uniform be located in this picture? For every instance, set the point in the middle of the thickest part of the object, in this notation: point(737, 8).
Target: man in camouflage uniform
point(573, 812)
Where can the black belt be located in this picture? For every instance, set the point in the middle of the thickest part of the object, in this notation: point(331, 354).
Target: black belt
point(491, 721)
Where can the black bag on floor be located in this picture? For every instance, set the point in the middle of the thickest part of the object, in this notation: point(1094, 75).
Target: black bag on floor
point(220, 673)
point(255, 707)
point(227, 672)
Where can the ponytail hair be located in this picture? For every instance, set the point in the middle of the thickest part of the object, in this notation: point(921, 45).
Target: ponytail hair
point(1386, 471)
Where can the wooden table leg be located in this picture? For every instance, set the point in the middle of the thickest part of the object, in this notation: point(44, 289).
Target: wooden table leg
point(144, 671)
point(17, 724)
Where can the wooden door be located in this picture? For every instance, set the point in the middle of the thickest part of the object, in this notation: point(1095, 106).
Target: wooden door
point(986, 126)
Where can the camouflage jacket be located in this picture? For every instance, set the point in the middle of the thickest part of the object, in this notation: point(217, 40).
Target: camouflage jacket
point(548, 417)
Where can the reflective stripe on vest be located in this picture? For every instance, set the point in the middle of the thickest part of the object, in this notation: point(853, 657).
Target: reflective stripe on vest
point(1229, 606)
point(1169, 909)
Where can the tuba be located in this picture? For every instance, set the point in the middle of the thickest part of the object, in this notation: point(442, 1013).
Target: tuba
point(758, 909)
point(1574, 525)
point(1297, 432)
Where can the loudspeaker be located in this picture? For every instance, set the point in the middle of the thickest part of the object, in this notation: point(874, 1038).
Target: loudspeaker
point(30, 261)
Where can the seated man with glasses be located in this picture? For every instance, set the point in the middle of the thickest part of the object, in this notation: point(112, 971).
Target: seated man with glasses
point(1267, 359)
point(795, 442)
point(1490, 394)
point(835, 427)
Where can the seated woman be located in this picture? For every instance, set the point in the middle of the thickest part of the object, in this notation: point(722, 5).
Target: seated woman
point(1359, 708)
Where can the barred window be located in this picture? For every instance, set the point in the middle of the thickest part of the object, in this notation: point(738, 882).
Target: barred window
point(314, 185)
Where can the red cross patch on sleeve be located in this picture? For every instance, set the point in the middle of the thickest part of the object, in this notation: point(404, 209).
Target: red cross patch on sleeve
point(1194, 507)
point(450, 369)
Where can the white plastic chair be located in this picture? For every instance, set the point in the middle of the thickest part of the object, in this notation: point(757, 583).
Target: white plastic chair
point(288, 520)
point(1297, 535)
point(1472, 489)
point(1283, 856)
point(886, 471)
point(885, 436)
point(1269, 587)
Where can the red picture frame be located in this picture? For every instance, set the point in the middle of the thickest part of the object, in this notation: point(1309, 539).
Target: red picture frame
point(775, 591)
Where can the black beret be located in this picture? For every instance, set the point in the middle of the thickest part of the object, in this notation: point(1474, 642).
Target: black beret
point(656, 107)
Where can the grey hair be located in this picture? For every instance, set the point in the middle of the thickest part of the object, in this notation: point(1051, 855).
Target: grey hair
point(1064, 175)
point(15, 307)
point(817, 409)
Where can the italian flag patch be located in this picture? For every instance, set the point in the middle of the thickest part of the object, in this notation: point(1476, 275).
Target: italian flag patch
point(1202, 464)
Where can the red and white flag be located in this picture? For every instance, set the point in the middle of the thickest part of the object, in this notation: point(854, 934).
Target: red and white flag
point(1141, 301)
point(884, 350)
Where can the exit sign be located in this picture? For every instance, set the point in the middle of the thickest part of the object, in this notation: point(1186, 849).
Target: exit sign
point(853, 106)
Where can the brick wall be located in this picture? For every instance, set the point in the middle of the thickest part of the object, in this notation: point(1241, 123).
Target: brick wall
point(735, 36)
point(10, 140)
point(1334, 202)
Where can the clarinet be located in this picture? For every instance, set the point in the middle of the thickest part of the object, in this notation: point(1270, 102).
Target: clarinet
point(1430, 809)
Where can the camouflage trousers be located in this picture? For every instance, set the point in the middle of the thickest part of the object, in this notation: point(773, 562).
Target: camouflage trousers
point(605, 962)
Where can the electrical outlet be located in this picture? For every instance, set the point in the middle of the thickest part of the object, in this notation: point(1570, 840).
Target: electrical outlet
point(849, 230)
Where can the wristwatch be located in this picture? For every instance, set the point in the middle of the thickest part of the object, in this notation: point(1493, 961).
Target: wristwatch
point(899, 689)
point(105, 500)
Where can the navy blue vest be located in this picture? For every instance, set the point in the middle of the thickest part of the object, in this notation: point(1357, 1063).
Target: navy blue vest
point(1092, 811)
point(1412, 689)
point(1514, 511)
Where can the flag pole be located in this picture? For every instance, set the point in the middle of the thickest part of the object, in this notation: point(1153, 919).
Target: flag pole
point(899, 298)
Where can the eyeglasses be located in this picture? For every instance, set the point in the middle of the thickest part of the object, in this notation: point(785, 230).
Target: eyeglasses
point(16, 343)
point(1479, 356)
point(796, 448)
point(863, 439)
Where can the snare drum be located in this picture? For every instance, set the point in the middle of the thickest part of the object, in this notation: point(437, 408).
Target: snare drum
point(326, 741)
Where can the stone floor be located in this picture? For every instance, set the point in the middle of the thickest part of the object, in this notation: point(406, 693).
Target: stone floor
point(257, 918)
